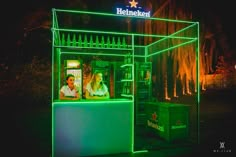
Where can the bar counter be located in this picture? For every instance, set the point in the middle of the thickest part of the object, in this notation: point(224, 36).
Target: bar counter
point(89, 127)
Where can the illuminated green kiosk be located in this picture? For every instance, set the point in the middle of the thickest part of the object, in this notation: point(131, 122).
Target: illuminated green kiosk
point(83, 42)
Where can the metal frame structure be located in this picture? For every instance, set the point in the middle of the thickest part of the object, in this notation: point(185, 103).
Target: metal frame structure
point(98, 38)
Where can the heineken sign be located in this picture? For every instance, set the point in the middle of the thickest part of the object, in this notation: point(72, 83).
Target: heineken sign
point(155, 126)
point(154, 123)
point(133, 10)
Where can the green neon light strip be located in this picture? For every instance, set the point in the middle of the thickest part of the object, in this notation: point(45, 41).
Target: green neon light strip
point(158, 41)
point(107, 48)
point(139, 56)
point(88, 102)
point(126, 65)
point(140, 151)
point(86, 53)
point(109, 14)
point(110, 48)
point(171, 48)
point(171, 36)
point(198, 83)
point(54, 18)
point(127, 95)
point(113, 33)
point(138, 46)
point(52, 66)
point(146, 52)
point(126, 80)
point(53, 130)
point(133, 92)
point(59, 72)
point(118, 48)
point(122, 33)
point(198, 63)
point(52, 86)
point(55, 24)
point(185, 28)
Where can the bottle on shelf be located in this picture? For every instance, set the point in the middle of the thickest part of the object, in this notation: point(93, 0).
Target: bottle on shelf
point(123, 42)
point(74, 40)
point(113, 42)
point(129, 59)
point(103, 42)
point(80, 41)
point(108, 42)
point(97, 41)
point(85, 41)
point(63, 41)
point(118, 42)
point(91, 41)
point(68, 40)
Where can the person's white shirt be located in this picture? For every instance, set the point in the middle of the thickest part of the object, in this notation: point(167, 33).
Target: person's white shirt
point(68, 92)
point(99, 92)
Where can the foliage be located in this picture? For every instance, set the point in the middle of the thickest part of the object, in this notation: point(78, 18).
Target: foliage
point(33, 82)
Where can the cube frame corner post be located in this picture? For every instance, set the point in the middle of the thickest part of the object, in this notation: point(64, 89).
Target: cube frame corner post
point(140, 61)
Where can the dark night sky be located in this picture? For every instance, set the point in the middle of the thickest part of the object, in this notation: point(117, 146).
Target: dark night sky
point(202, 9)
point(224, 10)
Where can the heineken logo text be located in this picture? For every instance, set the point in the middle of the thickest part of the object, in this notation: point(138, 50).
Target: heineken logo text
point(127, 12)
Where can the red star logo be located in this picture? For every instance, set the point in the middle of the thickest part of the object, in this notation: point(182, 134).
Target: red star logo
point(154, 116)
point(133, 4)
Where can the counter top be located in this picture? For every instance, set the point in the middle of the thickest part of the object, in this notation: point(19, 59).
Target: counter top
point(95, 101)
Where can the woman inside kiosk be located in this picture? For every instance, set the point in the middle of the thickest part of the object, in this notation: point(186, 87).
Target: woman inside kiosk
point(96, 89)
point(70, 91)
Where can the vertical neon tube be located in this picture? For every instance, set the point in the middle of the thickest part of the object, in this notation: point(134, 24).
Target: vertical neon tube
point(198, 84)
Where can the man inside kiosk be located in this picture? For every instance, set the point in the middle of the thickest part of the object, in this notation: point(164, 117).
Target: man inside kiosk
point(96, 89)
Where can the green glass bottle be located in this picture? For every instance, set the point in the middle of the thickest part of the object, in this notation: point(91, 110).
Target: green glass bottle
point(63, 41)
point(103, 42)
point(113, 42)
point(97, 41)
point(108, 44)
point(68, 40)
point(124, 43)
point(80, 41)
point(74, 41)
point(85, 41)
point(91, 41)
point(118, 42)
